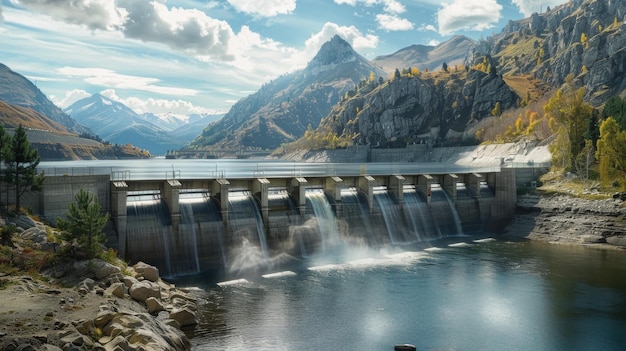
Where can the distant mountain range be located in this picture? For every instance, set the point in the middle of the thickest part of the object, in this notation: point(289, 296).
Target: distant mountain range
point(453, 52)
point(116, 123)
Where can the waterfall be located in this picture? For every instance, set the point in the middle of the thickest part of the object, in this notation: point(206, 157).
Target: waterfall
point(326, 221)
point(148, 230)
point(416, 210)
point(246, 221)
point(390, 213)
point(456, 220)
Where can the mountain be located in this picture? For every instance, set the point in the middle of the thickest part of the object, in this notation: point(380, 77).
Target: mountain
point(181, 127)
point(13, 116)
point(415, 109)
point(452, 52)
point(116, 123)
point(17, 90)
point(282, 109)
point(166, 121)
point(195, 122)
point(582, 38)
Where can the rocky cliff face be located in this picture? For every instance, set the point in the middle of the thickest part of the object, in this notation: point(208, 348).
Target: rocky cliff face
point(412, 109)
point(584, 38)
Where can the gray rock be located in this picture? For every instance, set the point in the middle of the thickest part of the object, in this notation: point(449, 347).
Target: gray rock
point(23, 222)
point(129, 281)
point(184, 316)
point(142, 290)
point(149, 272)
point(593, 239)
point(154, 305)
point(87, 284)
point(116, 289)
point(617, 240)
point(103, 269)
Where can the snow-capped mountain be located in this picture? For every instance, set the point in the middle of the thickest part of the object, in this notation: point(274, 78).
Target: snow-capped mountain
point(117, 123)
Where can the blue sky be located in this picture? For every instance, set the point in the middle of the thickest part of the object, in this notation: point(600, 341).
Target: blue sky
point(189, 56)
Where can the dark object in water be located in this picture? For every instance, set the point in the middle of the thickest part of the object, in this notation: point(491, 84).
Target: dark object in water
point(404, 347)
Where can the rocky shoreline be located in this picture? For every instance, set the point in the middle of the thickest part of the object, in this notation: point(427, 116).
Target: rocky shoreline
point(570, 220)
point(91, 305)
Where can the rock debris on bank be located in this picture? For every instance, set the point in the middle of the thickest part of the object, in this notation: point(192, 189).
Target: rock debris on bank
point(571, 220)
point(106, 310)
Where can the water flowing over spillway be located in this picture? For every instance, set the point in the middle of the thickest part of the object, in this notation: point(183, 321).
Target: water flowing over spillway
point(248, 235)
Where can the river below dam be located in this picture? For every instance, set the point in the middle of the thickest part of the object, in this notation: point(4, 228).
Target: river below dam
point(461, 293)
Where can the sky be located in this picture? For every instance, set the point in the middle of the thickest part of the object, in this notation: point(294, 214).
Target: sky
point(191, 56)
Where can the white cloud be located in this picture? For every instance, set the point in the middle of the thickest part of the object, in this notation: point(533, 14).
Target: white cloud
point(70, 97)
point(109, 78)
point(190, 30)
point(103, 14)
point(475, 15)
point(528, 7)
point(392, 6)
point(393, 22)
point(264, 8)
point(388, 20)
point(156, 106)
point(427, 28)
point(351, 34)
point(389, 6)
point(433, 42)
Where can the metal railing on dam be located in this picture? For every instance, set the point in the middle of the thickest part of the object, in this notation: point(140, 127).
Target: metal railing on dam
point(153, 169)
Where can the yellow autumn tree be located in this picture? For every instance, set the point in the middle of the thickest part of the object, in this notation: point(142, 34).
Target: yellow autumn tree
point(568, 114)
point(611, 148)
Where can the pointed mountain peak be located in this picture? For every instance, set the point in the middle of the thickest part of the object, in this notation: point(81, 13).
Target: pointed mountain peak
point(334, 52)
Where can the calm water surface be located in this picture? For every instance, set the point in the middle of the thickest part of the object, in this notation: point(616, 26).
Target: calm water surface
point(494, 295)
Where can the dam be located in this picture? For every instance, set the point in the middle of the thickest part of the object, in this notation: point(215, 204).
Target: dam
point(187, 223)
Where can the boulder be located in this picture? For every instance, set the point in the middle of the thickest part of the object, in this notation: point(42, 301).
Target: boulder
point(88, 284)
point(184, 316)
point(23, 222)
point(129, 281)
point(116, 289)
point(103, 269)
point(147, 271)
point(103, 319)
point(593, 239)
point(142, 290)
point(154, 305)
point(619, 240)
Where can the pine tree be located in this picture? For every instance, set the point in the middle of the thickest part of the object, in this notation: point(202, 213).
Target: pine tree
point(4, 145)
point(84, 223)
point(22, 161)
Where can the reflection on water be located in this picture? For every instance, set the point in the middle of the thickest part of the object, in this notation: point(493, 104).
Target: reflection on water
point(486, 295)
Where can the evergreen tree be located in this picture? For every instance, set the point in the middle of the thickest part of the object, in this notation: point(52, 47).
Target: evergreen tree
point(615, 107)
point(22, 161)
point(84, 223)
point(4, 145)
